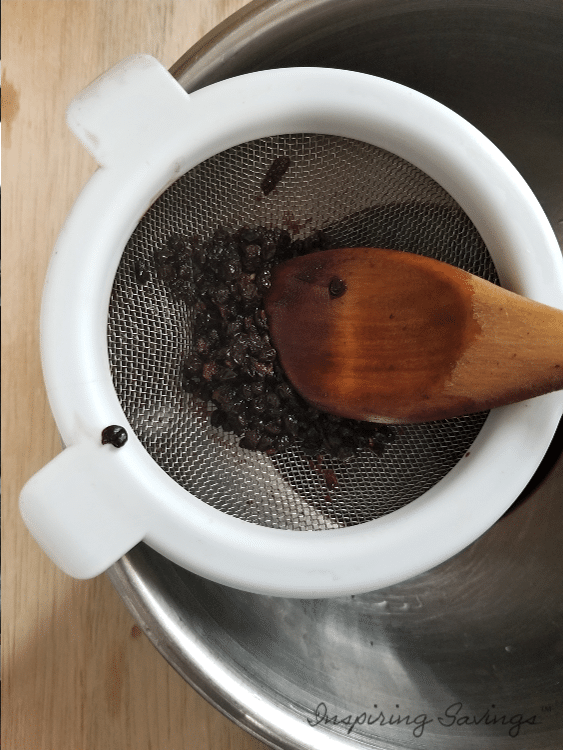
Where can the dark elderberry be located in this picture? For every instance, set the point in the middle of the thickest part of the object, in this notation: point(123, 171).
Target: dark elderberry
point(336, 287)
point(141, 273)
point(114, 435)
point(277, 169)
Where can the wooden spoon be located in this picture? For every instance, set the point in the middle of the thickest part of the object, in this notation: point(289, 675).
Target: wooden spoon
point(387, 336)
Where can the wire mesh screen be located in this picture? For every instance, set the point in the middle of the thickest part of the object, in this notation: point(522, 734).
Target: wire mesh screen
point(359, 195)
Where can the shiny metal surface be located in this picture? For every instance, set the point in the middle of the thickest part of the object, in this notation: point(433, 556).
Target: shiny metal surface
point(467, 656)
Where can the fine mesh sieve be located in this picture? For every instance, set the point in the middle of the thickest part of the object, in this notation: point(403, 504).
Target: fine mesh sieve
point(360, 195)
point(189, 165)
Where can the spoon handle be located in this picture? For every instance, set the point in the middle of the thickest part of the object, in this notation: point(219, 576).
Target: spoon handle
point(518, 353)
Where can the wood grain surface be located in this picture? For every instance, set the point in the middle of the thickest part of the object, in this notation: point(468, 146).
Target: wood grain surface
point(77, 672)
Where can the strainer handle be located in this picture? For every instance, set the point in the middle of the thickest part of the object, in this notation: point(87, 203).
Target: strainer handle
point(129, 112)
point(83, 510)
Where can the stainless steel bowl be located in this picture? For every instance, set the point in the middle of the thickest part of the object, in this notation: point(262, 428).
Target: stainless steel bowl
point(469, 655)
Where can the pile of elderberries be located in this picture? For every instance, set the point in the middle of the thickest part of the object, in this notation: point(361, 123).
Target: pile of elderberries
point(233, 365)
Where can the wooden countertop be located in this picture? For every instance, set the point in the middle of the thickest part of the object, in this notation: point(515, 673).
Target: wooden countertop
point(77, 672)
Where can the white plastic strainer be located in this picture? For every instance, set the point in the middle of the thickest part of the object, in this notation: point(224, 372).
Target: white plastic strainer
point(372, 159)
